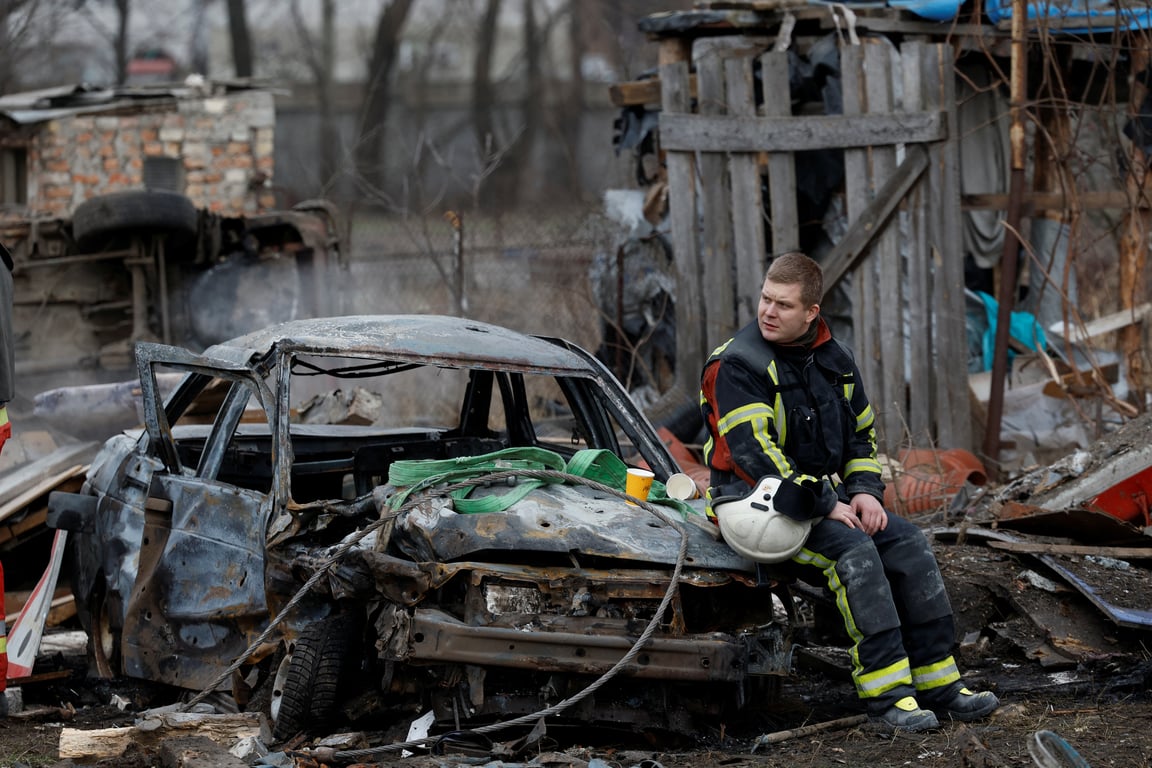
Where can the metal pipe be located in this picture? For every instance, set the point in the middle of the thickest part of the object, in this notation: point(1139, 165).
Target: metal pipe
point(1012, 244)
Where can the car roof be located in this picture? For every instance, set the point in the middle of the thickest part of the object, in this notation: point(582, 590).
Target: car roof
point(417, 338)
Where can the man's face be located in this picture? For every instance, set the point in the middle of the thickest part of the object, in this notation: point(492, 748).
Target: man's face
point(782, 315)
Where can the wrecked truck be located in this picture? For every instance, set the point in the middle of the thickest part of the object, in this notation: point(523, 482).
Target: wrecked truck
point(383, 516)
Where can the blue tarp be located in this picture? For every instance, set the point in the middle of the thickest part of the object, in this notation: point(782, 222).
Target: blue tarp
point(1074, 16)
point(1062, 16)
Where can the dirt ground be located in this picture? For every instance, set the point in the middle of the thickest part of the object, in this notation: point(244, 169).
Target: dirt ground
point(1093, 696)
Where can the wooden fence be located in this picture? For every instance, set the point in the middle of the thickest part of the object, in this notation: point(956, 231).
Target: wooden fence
point(901, 252)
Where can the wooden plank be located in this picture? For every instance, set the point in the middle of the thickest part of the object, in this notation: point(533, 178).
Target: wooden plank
point(1037, 202)
point(1102, 325)
point(747, 198)
point(10, 531)
point(103, 743)
point(781, 165)
point(730, 133)
point(1038, 548)
point(17, 482)
point(716, 206)
point(43, 488)
point(855, 242)
point(919, 268)
point(691, 345)
point(857, 198)
point(952, 405)
point(641, 92)
point(886, 294)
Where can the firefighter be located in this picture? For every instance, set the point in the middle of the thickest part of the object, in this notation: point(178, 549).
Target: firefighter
point(783, 398)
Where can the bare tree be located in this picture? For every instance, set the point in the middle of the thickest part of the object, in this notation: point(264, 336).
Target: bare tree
point(378, 93)
point(117, 38)
point(241, 38)
point(14, 21)
point(320, 56)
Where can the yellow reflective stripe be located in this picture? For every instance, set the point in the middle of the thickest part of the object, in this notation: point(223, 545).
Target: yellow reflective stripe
point(722, 347)
point(3, 644)
point(3, 415)
point(861, 465)
point(868, 685)
point(936, 675)
point(864, 419)
point(883, 680)
point(743, 415)
point(828, 568)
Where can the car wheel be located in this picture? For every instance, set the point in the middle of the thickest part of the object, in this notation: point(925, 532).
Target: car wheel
point(308, 682)
point(98, 220)
point(104, 640)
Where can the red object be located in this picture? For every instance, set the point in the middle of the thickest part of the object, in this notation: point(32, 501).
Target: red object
point(930, 478)
point(3, 631)
point(5, 433)
point(1129, 499)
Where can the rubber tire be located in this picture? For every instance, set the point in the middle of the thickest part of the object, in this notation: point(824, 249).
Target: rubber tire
point(104, 640)
point(323, 660)
point(97, 220)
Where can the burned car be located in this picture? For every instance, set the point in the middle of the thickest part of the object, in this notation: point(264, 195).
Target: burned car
point(414, 514)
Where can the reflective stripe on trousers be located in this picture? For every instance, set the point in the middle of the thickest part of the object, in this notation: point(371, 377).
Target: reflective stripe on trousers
point(890, 594)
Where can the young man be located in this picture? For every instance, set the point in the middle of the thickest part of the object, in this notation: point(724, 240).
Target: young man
point(783, 398)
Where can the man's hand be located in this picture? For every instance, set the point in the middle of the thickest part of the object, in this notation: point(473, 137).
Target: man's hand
point(864, 512)
point(871, 513)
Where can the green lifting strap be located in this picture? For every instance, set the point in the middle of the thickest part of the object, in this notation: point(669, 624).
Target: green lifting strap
point(599, 465)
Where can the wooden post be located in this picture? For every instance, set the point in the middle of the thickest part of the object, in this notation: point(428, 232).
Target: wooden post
point(716, 257)
point(747, 199)
point(1134, 237)
point(885, 299)
point(857, 196)
point(785, 235)
point(675, 96)
point(920, 379)
point(1009, 257)
point(951, 403)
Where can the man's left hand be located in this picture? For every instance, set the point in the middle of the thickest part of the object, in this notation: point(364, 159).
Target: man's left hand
point(871, 512)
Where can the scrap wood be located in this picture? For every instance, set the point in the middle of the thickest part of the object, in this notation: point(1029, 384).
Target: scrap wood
point(806, 730)
point(225, 730)
point(45, 485)
point(1038, 548)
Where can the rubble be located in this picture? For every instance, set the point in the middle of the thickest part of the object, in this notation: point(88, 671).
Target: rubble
point(1051, 569)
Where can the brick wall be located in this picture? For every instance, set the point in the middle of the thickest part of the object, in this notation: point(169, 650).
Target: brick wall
point(224, 143)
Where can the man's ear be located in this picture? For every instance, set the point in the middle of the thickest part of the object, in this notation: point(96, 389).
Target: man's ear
point(813, 311)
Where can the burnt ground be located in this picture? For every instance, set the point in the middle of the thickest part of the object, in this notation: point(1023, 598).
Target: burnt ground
point(1056, 663)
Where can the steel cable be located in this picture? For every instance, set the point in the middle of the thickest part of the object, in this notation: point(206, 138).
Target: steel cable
point(329, 755)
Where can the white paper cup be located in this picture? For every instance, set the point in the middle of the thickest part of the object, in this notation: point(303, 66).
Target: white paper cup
point(680, 486)
point(638, 483)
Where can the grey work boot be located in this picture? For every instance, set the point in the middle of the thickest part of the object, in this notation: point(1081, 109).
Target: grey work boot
point(964, 705)
point(906, 715)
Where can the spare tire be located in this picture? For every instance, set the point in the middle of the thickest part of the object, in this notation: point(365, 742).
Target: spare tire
point(97, 221)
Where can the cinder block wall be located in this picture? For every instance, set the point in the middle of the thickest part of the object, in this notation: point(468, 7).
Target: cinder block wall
point(225, 144)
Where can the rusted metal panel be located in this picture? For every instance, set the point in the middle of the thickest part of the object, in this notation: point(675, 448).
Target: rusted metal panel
point(442, 638)
point(559, 519)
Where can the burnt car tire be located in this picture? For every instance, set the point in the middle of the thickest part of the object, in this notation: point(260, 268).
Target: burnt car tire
point(319, 670)
point(97, 222)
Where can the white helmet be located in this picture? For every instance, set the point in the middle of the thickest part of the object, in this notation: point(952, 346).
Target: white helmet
point(753, 527)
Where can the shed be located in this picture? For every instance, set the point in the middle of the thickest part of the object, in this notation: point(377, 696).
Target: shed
point(910, 148)
point(209, 141)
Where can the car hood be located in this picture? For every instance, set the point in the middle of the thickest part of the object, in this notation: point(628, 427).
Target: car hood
point(561, 519)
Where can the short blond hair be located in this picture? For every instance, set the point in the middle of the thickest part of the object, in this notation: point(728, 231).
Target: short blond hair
point(796, 268)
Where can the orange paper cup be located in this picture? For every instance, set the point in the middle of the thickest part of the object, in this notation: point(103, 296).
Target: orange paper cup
point(638, 483)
